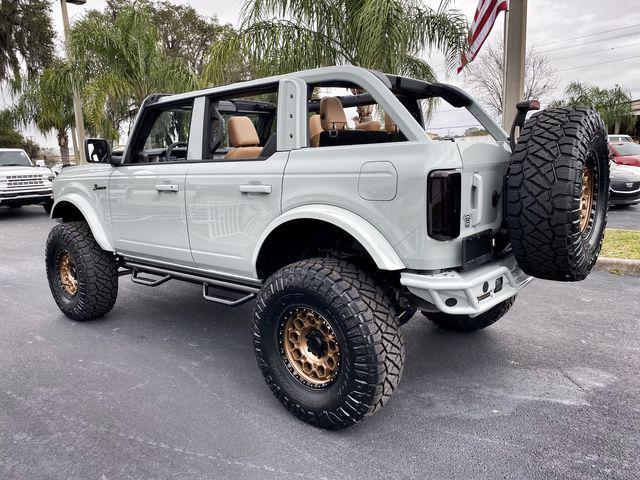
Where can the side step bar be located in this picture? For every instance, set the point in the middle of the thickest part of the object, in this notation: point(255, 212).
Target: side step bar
point(214, 290)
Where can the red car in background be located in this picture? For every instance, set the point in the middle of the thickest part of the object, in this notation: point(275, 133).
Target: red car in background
point(625, 153)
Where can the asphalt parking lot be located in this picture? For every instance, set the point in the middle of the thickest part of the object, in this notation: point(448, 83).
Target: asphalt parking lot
point(166, 386)
point(627, 218)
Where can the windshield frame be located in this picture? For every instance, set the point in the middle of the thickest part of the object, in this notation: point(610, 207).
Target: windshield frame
point(15, 158)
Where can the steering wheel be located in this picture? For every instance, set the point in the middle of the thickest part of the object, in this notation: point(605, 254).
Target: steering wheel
point(171, 147)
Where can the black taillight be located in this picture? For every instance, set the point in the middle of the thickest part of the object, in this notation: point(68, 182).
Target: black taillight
point(443, 204)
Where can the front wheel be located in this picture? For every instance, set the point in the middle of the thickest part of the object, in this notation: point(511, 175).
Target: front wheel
point(327, 341)
point(466, 323)
point(83, 278)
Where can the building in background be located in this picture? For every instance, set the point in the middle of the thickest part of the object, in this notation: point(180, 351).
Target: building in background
point(635, 106)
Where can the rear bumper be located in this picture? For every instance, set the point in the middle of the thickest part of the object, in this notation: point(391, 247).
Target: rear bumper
point(468, 293)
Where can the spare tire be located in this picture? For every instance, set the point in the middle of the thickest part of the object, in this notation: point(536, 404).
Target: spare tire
point(558, 192)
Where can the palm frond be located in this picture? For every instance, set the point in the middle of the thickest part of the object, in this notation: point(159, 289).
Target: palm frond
point(272, 47)
point(444, 29)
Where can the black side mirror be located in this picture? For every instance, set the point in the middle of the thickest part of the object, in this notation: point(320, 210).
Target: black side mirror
point(97, 150)
point(522, 109)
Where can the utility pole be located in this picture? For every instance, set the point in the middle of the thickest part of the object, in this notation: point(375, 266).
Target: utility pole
point(515, 45)
point(77, 100)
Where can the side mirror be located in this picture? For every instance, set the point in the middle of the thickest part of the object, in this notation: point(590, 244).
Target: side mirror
point(612, 156)
point(40, 163)
point(97, 150)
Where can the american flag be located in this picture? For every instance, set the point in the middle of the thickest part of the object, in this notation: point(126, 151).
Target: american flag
point(483, 21)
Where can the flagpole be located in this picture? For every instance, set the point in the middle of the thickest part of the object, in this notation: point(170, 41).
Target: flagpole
point(515, 44)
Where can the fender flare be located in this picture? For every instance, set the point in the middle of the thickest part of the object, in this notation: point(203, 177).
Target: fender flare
point(89, 214)
point(380, 249)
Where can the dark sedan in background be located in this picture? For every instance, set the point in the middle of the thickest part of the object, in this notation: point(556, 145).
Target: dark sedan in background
point(625, 185)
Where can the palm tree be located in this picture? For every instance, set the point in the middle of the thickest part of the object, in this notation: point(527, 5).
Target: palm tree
point(280, 36)
point(614, 104)
point(48, 105)
point(118, 63)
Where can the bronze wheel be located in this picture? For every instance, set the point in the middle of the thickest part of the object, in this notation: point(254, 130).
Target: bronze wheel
point(327, 341)
point(67, 273)
point(83, 278)
point(309, 347)
point(586, 197)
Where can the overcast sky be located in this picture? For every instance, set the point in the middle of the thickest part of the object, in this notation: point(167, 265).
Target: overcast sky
point(592, 41)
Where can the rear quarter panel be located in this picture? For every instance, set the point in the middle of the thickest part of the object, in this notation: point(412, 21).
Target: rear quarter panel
point(335, 176)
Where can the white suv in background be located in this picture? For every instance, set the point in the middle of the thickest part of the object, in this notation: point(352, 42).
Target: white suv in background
point(22, 182)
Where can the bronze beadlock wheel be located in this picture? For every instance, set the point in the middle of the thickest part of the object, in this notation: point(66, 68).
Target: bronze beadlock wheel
point(67, 273)
point(309, 347)
point(586, 196)
point(83, 278)
point(327, 341)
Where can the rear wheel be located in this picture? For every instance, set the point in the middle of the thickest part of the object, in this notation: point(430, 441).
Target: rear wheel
point(83, 278)
point(466, 323)
point(327, 341)
point(557, 193)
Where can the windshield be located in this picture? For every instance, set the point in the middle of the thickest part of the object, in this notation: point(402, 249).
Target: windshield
point(14, 158)
point(628, 149)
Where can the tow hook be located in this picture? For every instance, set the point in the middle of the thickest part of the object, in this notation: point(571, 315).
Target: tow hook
point(522, 108)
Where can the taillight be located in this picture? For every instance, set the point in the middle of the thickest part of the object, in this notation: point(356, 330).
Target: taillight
point(443, 204)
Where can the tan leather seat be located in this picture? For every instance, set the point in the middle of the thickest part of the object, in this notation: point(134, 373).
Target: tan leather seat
point(332, 116)
point(372, 126)
point(389, 125)
point(244, 138)
point(315, 129)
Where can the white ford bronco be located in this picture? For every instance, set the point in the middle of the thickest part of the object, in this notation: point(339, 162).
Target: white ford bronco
point(339, 230)
point(23, 183)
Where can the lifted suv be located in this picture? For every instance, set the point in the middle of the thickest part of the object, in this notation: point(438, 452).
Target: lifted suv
point(340, 230)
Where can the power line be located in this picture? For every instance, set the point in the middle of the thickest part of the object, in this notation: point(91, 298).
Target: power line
point(598, 63)
point(595, 51)
point(589, 35)
point(582, 44)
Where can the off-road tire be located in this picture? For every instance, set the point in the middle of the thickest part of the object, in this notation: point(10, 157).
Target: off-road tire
point(544, 187)
point(95, 270)
point(465, 323)
point(368, 335)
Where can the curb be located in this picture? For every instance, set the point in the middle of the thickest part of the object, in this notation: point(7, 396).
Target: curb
point(617, 265)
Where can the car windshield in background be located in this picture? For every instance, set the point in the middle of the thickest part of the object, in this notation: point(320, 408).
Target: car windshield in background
point(18, 159)
point(628, 149)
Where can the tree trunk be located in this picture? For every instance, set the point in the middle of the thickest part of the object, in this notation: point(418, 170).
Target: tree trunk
point(616, 129)
point(63, 143)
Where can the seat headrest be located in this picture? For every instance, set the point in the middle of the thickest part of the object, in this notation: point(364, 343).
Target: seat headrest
point(332, 114)
point(315, 129)
point(242, 132)
point(389, 125)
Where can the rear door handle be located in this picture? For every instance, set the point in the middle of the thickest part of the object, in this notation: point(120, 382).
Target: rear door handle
point(255, 188)
point(164, 187)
